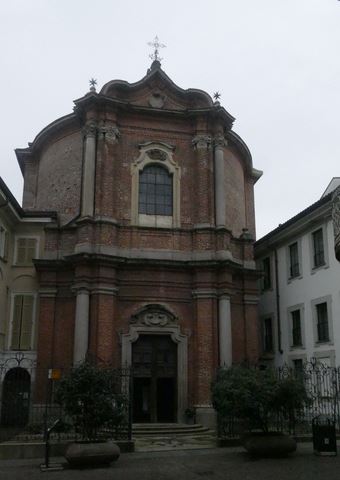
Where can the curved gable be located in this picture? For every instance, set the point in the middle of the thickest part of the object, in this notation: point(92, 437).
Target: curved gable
point(157, 90)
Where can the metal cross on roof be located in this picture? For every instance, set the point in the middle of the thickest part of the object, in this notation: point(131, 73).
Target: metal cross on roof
point(217, 95)
point(156, 45)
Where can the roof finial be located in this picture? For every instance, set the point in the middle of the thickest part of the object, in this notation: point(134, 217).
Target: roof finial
point(217, 97)
point(93, 83)
point(156, 45)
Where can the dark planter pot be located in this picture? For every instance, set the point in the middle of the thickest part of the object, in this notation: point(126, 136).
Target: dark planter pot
point(190, 420)
point(91, 454)
point(271, 444)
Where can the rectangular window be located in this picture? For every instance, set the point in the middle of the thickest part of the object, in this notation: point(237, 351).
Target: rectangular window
point(294, 269)
point(322, 322)
point(268, 335)
point(296, 328)
point(155, 191)
point(26, 250)
point(318, 248)
point(267, 280)
point(22, 322)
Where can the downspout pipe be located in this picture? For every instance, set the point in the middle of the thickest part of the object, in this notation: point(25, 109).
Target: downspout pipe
point(277, 290)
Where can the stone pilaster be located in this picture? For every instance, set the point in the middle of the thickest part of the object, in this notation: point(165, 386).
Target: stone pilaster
point(81, 326)
point(89, 169)
point(220, 200)
point(225, 332)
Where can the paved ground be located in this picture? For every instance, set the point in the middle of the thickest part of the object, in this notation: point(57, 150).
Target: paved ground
point(222, 463)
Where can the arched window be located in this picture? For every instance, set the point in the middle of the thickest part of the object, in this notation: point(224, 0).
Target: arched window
point(155, 191)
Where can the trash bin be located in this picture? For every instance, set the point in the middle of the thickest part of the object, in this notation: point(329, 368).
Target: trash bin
point(324, 436)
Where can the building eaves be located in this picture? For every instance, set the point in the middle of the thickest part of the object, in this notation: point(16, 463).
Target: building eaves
point(272, 236)
point(12, 202)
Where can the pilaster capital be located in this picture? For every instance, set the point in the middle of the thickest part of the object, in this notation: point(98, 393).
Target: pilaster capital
point(111, 133)
point(202, 142)
point(81, 287)
point(251, 299)
point(220, 141)
point(90, 129)
point(99, 289)
point(204, 293)
point(224, 296)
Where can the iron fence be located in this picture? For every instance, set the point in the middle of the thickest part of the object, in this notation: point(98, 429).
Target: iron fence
point(28, 405)
point(322, 385)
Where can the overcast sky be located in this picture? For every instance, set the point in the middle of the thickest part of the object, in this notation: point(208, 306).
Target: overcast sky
point(276, 63)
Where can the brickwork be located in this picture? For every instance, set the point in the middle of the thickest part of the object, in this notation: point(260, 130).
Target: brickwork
point(59, 177)
point(205, 335)
point(125, 267)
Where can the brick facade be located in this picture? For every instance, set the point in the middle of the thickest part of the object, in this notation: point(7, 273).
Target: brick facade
point(123, 267)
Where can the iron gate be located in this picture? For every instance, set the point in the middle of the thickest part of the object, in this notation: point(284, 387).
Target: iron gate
point(28, 407)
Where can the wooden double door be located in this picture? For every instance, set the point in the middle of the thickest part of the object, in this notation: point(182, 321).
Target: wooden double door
point(154, 359)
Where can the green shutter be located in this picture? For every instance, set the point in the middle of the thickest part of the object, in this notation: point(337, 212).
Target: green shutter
point(22, 322)
point(16, 322)
point(26, 323)
point(30, 249)
point(26, 250)
point(21, 250)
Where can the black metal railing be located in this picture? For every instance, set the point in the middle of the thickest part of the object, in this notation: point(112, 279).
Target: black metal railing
point(322, 384)
point(28, 407)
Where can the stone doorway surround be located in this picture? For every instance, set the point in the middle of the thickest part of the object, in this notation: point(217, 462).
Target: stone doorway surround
point(154, 319)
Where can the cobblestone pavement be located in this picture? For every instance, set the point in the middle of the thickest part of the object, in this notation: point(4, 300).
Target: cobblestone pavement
point(222, 463)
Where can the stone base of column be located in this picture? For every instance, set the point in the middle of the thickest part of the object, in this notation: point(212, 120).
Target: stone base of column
point(206, 416)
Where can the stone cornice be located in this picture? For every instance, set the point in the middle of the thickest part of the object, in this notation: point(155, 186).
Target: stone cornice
point(47, 292)
point(204, 293)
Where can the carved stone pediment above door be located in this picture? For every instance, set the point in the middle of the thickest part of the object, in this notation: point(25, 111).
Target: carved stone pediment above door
point(154, 316)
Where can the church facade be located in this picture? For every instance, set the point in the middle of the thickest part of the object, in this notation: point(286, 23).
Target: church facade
point(147, 261)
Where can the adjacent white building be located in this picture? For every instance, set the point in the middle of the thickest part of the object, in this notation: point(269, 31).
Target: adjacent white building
point(300, 289)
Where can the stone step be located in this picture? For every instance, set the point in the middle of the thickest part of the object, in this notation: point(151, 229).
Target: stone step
point(160, 429)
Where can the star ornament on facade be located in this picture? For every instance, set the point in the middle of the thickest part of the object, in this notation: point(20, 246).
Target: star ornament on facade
point(156, 46)
point(93, 83)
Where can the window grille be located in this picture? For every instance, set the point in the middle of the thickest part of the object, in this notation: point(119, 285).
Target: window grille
point(319, 253)
point(322, 322)
point(155, 191)
point(294, 260)
point(296, 328)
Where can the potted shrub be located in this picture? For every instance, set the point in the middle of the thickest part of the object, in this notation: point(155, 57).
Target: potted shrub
point(258, 399)
point(88, 399)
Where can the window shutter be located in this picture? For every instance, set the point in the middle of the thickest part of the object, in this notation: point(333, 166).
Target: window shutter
point(16, 322)
point(21, 250)
point(30, 249)
point(26, 250)
point(26, 323)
